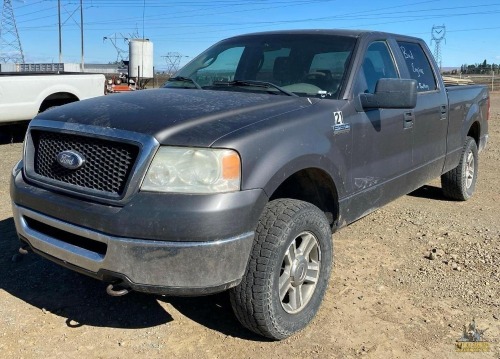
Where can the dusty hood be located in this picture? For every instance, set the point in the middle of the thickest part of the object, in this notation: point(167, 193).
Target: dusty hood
point(177, 116)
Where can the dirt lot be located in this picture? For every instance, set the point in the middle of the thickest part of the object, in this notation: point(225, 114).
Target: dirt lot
point(386, 299)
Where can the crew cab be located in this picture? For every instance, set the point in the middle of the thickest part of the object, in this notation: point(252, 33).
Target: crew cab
point(234, 175)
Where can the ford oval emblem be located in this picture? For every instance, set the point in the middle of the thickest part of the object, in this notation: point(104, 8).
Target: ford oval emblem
point(70, 159)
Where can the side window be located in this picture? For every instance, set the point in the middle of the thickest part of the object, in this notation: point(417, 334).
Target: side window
point(418, 66)
point(377, 64)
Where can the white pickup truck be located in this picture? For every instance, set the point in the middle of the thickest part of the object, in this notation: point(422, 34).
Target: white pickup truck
point(24, 95)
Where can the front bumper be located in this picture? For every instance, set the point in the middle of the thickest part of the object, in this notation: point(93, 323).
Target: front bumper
point(95, 239)
point(483, 142)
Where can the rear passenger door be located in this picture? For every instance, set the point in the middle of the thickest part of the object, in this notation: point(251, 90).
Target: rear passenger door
point(430, 114)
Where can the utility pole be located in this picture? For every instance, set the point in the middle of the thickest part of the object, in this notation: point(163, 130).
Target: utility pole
point(10, 43)
point(71, 16)
point(492, 78)
point(81, 31)
point(60, 33)
point(438, 35)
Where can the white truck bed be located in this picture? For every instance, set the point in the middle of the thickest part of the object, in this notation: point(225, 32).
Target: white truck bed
point(23, 95)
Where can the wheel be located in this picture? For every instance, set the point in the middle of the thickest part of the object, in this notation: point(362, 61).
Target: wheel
point(288, 270)
point(460, 182)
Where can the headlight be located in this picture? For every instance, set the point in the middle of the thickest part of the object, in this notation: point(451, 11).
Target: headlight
point(193, 170)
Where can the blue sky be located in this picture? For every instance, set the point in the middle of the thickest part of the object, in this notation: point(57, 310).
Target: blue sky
point(188, 27)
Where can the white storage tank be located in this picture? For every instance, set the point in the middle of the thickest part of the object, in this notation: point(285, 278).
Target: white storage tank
point(140, 58)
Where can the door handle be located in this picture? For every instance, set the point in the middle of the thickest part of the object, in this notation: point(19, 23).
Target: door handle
point(408, 120)
point(444, 112)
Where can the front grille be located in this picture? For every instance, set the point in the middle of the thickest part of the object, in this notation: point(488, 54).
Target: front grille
point(107, 163)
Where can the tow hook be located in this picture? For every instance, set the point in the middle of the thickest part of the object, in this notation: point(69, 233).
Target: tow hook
point(116, 291)
point(23, 250)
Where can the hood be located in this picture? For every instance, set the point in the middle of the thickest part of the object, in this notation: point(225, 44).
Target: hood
point(182, 117)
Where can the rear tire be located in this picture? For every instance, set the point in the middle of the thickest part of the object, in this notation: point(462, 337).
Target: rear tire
point(288, 271)
point(460, 182)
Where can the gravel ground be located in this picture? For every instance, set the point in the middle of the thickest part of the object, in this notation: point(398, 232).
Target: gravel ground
point(407, 279)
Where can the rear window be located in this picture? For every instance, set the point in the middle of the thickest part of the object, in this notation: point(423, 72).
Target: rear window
point(418, 66)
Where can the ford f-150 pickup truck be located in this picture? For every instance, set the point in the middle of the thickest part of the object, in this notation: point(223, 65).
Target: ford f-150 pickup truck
point(236, 173)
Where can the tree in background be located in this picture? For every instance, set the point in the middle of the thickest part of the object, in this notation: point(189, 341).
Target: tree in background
point(478, 69)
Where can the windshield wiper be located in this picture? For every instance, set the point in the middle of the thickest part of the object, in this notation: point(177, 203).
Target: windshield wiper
point(254, 84)
point(185, 79)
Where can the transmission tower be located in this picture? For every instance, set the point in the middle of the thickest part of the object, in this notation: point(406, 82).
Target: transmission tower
point(438, 34)
point(10, 44)
point(115, 39)
point(67, 14)
point(173, 60)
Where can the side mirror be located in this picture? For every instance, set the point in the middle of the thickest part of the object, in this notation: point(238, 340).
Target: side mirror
point(391, 93)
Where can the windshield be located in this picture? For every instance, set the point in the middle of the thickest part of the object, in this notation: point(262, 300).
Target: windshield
point(301, 64)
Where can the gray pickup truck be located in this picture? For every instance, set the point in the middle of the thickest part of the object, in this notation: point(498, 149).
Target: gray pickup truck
point(236, 173)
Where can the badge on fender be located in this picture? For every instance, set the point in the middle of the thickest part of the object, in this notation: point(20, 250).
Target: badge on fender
point(340, 126)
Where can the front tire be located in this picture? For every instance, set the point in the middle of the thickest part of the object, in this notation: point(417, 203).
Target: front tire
point(288, 271)
point(460, 182)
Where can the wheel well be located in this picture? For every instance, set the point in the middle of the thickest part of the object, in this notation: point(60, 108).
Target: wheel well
point(57, 99)
point(314, 186)
point(474, 132)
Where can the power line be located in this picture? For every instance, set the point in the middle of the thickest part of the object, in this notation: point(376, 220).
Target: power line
point(357, 15)
point(373, 14)
point(188, 21)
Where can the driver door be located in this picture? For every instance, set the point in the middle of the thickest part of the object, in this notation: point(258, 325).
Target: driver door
point(382, 138)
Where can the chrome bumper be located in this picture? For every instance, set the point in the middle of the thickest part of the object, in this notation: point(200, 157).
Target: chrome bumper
point(182, 268)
